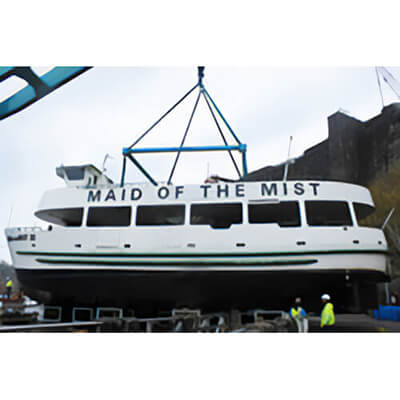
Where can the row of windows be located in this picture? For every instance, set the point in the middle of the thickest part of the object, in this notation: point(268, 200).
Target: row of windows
point(285, 214)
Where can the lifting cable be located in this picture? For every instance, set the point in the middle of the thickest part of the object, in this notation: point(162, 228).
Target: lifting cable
point(211, 104)
point(160, 119)
point(184, 138)
point(222, 135)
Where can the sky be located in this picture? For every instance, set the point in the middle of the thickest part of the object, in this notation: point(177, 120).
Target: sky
point(108, 108)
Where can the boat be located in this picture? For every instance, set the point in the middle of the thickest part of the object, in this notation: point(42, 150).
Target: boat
point(217, 245)
point(207, 245)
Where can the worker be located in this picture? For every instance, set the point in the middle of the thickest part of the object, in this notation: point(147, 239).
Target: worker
point(9, 285)
point(298, 313)
point(327, 314)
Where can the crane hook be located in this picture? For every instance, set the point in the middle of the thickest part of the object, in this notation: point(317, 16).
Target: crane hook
point(201, 75)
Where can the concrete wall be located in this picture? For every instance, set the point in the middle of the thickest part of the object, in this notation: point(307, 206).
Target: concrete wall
point(355, 151)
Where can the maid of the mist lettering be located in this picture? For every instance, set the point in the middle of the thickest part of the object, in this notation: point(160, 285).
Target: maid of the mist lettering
point(223, 191)
point(165, 192)
point(285, 188)
point(133, 194)
point(98, 195)
point(220, 191)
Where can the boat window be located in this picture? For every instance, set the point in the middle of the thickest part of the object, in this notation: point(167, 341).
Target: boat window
point(285, 213)
point(328, 213)
point(75, 173)
point(62, 216)
point(109, 216)
point(160, 215)
point(363, 211)
point(19, 237)
point(216, 215)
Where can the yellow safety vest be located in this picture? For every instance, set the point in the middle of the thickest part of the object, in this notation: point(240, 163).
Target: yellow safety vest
point(327, 315)
point(293, 312)
point(9, 283)
point(297, 312)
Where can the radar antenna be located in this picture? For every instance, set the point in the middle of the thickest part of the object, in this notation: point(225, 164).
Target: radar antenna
point(106, 157)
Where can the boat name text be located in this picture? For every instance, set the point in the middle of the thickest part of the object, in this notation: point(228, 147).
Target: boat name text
point(205, 191)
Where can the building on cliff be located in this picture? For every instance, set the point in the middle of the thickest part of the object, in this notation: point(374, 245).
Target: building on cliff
point(355, 151)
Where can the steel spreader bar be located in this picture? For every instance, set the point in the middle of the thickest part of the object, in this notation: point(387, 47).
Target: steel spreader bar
point(183, 139)
point(240, 147)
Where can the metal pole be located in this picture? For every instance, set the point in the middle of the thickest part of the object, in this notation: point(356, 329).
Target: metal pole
point(387, 293)
point(379, 85)
point(388, 218)
point(142, 170)
point(123, 172)
point(288, 160)
point(244, 161)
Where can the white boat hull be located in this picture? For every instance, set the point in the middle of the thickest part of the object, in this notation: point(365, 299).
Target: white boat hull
point(209, 284)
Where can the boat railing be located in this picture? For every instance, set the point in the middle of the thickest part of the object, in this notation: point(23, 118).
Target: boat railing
point(27, 229)
point(22, 232)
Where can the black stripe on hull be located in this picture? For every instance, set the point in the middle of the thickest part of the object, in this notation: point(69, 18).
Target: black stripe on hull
point(149, 292)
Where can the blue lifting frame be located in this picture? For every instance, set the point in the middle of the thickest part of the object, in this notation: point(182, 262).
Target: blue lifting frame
point(128, 152)
point(37, 87)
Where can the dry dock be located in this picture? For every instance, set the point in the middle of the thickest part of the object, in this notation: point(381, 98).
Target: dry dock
point(193, 321)
point(356, 323)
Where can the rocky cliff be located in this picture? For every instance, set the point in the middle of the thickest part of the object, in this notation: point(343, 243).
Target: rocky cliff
point(355, 151)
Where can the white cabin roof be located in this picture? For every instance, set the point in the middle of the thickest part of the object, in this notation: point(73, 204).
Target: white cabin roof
point(147, 193)
point(82, 175)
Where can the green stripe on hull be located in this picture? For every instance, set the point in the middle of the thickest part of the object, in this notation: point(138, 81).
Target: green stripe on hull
point(178, 263)
point(196, 255)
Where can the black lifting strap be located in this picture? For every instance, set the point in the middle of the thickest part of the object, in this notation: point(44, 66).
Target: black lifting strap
point(164, 115)
point(222, 135)
point(184, 138)
point(200, 84)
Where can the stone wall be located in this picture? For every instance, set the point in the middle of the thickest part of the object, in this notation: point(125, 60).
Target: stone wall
point(355, 151)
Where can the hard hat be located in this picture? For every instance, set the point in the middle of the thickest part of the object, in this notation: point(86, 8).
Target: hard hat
point(325, 297)
point(298, 300)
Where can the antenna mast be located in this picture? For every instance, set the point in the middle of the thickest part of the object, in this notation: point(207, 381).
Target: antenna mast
point(288, 161)
point(389, 79)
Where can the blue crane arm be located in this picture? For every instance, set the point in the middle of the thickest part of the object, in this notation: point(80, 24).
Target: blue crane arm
point(37, 87)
